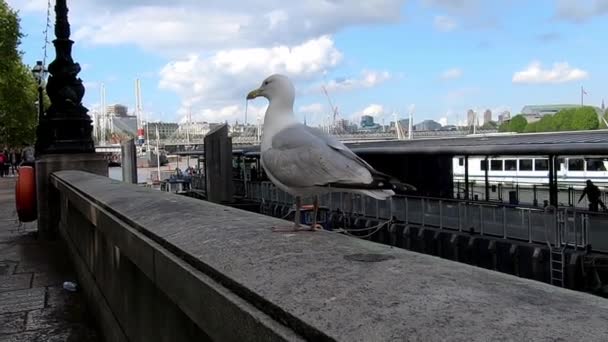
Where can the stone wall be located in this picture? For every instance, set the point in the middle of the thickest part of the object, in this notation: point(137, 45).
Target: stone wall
point(160, 267)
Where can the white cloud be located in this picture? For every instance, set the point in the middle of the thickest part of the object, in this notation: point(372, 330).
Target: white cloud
point(367, 79)
point(580, 10)
point(219, 114)
point(454, 5)
point(443, 121)
point(444, 23)
point(224, 78)
point(229, 74)
point(374, 110)
point(560, 73)
point(311, 108)
point(28, 5)
point(186, 26)
point(452, 74)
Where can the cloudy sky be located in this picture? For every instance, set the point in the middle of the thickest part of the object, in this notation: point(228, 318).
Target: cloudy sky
point(375, 56)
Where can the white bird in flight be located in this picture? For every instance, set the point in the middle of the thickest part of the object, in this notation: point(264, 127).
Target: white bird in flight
point(303, 161)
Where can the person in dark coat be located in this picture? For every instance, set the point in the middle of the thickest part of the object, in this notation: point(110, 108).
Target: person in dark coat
point(593, 194)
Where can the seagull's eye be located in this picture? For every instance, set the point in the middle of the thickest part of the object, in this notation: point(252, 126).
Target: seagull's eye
point(266, 82)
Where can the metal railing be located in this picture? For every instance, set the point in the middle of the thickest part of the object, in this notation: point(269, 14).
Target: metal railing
point(564, 226)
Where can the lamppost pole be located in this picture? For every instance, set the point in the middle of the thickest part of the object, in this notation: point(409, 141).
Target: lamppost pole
point(66, 127)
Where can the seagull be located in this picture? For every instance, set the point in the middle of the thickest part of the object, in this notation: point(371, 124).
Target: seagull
point(304, 161)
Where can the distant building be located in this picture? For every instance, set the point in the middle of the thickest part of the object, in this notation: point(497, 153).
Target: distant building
point(427, 125)
point(534, 113)
point(165, 129)
point(471, 117)
point(487, 116)
point(542, 110)
point(202, 128)
point(367, 121)
point(504, 116)
point(345, 126)
point(117, 110)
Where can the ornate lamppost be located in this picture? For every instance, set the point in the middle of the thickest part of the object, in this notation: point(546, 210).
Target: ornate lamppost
point(66, 127)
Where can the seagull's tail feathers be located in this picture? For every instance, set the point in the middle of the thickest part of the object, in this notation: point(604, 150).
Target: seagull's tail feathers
point(385, 181)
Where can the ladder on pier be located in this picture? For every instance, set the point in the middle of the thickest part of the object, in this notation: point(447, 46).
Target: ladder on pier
point(557, 260)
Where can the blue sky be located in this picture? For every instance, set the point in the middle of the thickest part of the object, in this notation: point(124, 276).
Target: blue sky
point(375, 57)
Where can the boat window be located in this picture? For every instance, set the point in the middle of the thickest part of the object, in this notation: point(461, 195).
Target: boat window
point(541, 164)
point(596, 164)
point(525, 165)
point(460, 161)
point(483, 165)
point(576, 164)
point(496, 165)
point(510, 165)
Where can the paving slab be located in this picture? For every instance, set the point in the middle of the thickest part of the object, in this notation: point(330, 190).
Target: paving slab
point(13, 322)
point(15, 282)
point(33, 305)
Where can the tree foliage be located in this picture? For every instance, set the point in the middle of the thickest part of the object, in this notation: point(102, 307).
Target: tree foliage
point(18, 89)
point(570, 119)
point(516, 124)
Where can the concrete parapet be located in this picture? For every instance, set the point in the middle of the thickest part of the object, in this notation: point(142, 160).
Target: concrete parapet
point(165, 267)
point(47, 199)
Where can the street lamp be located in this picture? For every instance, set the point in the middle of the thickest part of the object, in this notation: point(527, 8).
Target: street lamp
point(39, 73)
point(66, 127)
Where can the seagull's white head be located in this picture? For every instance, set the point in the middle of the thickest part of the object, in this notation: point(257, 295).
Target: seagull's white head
point(275, 87)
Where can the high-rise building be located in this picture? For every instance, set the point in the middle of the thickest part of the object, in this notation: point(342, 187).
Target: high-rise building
point(367, 121)
point(504, 116)
point(487, 116)
point(117, 110)
point(470, 117)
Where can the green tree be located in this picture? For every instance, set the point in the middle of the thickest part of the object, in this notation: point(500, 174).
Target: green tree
point(585, 118)
point(576, 119)
point(532, 127)
point(18, 89)
point(518, 124)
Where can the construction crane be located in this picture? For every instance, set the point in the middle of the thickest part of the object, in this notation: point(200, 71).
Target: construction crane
point(334, 109)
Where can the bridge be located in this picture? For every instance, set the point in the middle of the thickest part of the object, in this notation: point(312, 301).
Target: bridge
point(180, 141)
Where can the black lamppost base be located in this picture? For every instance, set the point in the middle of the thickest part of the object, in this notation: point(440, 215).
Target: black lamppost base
point(64, 136)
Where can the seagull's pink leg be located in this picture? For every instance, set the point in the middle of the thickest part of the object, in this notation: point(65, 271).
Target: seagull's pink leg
point(296, 221)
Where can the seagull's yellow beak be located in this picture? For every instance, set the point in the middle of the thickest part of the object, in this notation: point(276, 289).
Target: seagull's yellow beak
point(254, 93)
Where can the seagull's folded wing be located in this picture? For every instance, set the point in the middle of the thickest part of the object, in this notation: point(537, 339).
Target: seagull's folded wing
point(303, 157)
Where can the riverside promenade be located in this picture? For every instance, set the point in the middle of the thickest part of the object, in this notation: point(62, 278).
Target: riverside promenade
point(34, 307)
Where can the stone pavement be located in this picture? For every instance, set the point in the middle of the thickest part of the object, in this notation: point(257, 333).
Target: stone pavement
point(33, 304)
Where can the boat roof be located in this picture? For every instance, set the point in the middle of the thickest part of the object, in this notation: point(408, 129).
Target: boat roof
point(493, 144)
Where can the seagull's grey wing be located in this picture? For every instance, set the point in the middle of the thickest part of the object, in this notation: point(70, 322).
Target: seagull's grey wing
point(337, 145)
point(301, 158)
